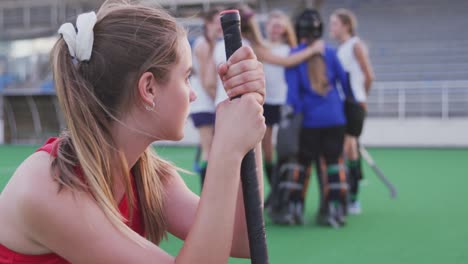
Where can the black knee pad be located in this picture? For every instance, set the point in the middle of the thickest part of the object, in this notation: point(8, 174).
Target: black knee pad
point(289, 184)
point(287, 201)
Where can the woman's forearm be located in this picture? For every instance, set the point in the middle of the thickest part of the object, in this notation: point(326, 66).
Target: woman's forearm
point(259, 162)
point(210, 237)
point(294, 59)
point(240, 244)
point(368, 84)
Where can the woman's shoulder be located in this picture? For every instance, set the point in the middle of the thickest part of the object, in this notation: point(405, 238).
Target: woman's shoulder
point(30, 188)
point(34, 181)
point(33, 178)
point(35, 171)
point(355, 39)
point(359, 45)
point(36, 168)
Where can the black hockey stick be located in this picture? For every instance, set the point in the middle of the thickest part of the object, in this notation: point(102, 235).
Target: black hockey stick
point(230, 21)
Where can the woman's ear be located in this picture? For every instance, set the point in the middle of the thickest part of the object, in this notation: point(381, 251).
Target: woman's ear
point(147, 88)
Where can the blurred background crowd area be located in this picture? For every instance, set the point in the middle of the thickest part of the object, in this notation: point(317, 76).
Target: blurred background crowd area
point(419, 50)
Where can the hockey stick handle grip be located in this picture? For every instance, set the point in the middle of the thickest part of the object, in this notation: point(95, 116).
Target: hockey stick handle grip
point(230, 22)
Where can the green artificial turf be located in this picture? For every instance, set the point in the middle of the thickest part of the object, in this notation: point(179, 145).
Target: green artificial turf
point(427, 223)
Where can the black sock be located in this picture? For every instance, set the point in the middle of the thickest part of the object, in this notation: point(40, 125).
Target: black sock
point(303, 180)
point(354, 177)
point(335, 184)
point(203, 166)
point(269, 172)
point(360, 174)
point(321, 170)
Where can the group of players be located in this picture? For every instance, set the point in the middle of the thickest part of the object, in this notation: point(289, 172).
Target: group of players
point(315, 93)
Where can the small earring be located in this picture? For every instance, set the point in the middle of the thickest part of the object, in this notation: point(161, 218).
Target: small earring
point(150, 108)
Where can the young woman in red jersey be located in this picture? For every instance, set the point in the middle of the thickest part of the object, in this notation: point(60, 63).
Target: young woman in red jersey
point(98, 193)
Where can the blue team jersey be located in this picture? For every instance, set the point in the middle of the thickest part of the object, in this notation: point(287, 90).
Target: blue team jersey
point(318, 111)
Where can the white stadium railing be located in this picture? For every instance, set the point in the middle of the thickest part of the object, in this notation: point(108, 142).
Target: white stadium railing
point(397, 103)
point(434, 99)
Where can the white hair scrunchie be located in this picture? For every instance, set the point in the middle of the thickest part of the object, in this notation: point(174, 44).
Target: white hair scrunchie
point(80, 44)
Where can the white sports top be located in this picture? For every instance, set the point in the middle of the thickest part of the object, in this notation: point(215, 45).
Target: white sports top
point(276, 86)
point(220, 57)
point(351, 65)
point(204, 103)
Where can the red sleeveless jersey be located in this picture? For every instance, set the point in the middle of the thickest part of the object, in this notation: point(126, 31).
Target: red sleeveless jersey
point(9, 256)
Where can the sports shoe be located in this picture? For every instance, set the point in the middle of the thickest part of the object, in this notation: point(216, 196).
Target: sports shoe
point(330, 216)
point(354, 208)
point(340, 213)
point(298, 212)
point(283, 215)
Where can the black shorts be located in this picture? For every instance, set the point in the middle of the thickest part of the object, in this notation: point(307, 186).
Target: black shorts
point(355, 116)
point(203, 119)
point(272, 114)
point(321, 142)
